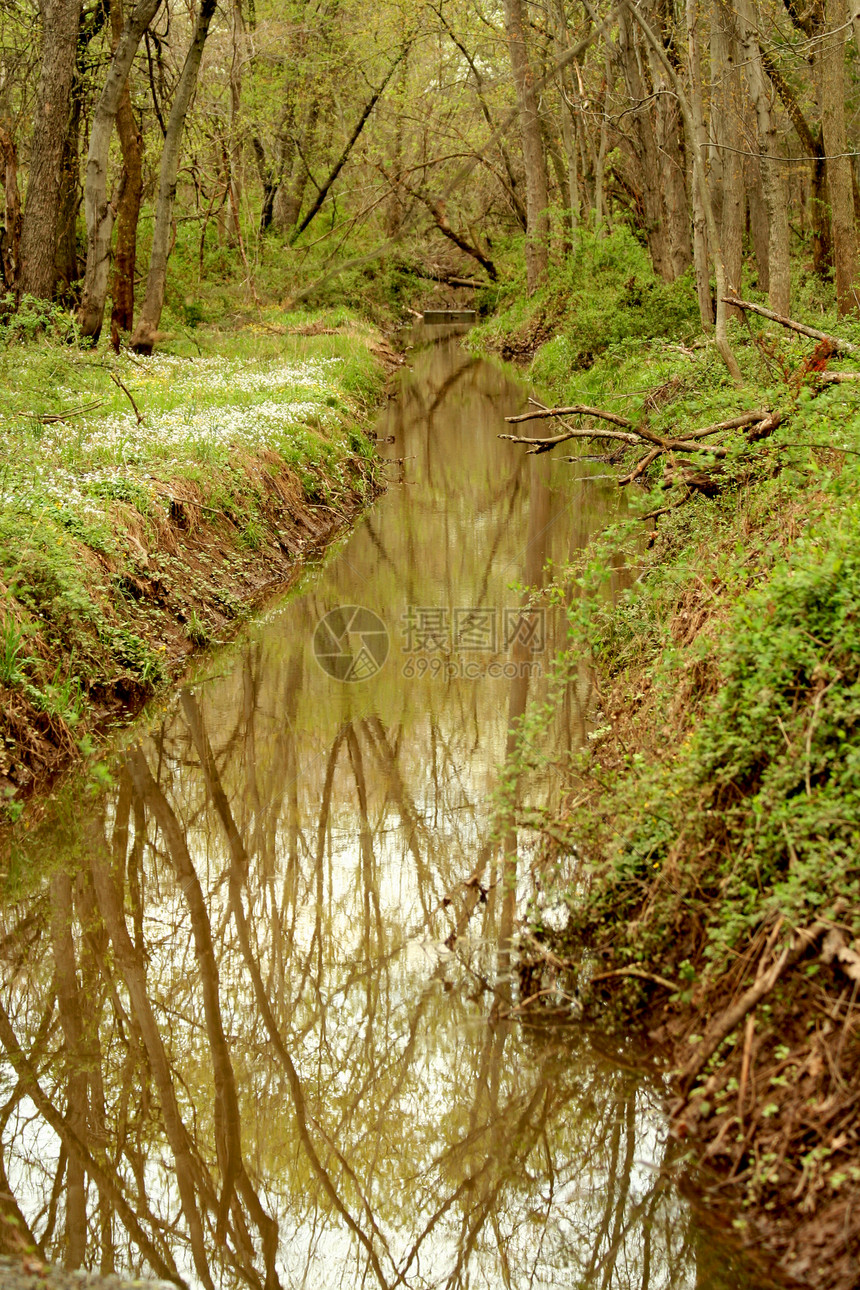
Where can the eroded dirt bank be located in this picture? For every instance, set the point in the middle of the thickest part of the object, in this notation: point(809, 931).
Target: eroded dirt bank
point(133, 536)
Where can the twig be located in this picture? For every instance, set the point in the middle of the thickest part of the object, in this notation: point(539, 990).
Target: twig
point(540, 993)
point(53, 418)
point(846, 346)
point(642, 465)
point(819, 696)
point(565, 425)
point(639, 974)
point(830, 447)
point(673, 506)
point(127, 392)
point(749, 1031)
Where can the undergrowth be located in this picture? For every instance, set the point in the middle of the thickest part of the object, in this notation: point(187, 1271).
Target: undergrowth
point(719, 788)
point(712, 821)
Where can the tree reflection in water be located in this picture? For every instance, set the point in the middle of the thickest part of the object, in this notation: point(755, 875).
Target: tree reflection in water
point(251, 1019)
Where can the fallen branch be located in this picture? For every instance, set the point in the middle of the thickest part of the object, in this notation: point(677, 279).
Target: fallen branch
point(826, 447)
point(729, 1020)
point(577, 410)
point(642, 465)
point(544, 445)
point(734, 423)
point(639, 974)
point(55, 418)
point(636, 437)
point(441, 275)
point(574, 430)
point(845, 346)
point(127, 392)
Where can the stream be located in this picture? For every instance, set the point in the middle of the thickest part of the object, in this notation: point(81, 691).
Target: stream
point(260, 1014)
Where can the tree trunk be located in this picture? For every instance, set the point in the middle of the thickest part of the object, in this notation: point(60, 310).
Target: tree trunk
point(99, 211)
point(829, 65)
point(811, 144)
point(66, 255)
point(670, 149)
point(758, 226)
point(726, 129)
point(236, 176)
point(60, 24)
point(646, 153)
point(698, 196)
point(568, 123)
point(287, 203)
point(537, 215)
point(601, 213)
point(145, 333)
point(10, 242)
point(699, 178)
point(772, 167)
point(128, 207)
point(269, 180)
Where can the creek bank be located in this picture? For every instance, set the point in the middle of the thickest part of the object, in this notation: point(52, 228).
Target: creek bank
point(715, 809)
point(26, 1272)
point(148, 506)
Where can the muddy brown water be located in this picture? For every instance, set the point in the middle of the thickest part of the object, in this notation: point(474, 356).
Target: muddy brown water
point(258, 1004)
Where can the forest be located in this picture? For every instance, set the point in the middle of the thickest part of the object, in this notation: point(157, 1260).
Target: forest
point(282, 148)
point(376, 919)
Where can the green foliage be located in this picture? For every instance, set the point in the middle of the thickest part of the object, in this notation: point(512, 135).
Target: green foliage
point(747, 804)
point(720, 791)
point(29, 317)
point(11, 649)
point(604, 294)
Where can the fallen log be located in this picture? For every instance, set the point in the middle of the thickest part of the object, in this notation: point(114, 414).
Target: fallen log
point(640, 436)
point(544, 445)
point(845, 346)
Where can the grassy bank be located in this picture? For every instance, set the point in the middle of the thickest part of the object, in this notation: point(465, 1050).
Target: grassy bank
point(715, 815)
point(147, 504)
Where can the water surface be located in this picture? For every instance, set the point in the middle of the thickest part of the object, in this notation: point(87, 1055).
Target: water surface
point(260, 1018)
